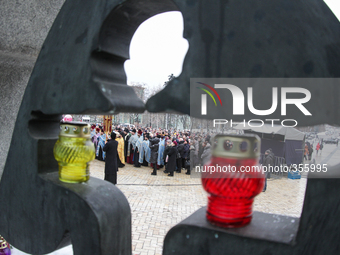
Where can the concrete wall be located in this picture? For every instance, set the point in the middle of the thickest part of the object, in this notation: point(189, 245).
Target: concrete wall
point(24, 25)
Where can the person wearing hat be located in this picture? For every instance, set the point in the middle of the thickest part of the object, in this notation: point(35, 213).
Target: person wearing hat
point(154, 145)
point(172, 157)
point(131, 146)
point(111, 161)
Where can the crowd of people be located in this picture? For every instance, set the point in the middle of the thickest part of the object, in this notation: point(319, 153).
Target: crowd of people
point(170, 150)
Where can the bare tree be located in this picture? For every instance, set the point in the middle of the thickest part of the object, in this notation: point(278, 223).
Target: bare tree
point(184, 120)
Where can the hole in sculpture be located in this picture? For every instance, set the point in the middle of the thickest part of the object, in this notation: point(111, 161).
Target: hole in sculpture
point(157, 51)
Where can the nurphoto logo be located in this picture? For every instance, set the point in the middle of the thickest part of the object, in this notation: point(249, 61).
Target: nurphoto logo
point(283, 94)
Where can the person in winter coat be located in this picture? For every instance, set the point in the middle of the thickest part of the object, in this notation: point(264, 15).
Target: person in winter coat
point(193, 157)
point(268, 162)
point(188, 160)
point(194, 154)
point(305, 154)
point(200, 149)
point(272, 155)
point(154, 144)
point(185, 153)
point(180, 149)
point(165, 155)
point(206, 153)
point(172, 156)
point(317, 148)
point(310, 152)
point(111, 161)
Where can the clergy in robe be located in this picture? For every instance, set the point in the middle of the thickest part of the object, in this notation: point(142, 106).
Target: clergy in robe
point(131, 146)
point(160, 159)
point(144, 154)
point(121, 158)
point(137, 149)
point(100, 154)
point(111, 161)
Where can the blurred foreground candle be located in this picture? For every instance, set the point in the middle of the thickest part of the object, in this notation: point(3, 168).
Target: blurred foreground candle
point(233, 177)
point(73, 151)
point(4, 247)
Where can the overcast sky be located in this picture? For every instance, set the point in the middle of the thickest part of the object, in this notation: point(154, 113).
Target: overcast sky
point(334, 5)
point(158, 48)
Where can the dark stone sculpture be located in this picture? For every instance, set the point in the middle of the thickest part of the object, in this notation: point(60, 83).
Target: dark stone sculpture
point(253, 39)
point(268, 39)
point(80, 70)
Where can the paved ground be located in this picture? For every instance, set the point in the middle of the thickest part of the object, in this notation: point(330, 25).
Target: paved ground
point(160, 202)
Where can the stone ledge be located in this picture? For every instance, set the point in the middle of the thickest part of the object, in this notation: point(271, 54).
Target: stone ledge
point(196, 234)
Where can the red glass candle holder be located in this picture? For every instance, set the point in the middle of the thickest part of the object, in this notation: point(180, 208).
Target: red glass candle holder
point(232, 178)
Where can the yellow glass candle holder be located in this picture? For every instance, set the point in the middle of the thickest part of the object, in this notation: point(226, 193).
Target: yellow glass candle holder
point(73, 151)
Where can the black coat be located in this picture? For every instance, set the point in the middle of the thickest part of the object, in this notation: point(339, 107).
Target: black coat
point(111, 161)
point(180, 148)
point(171, 166)
point(166, 151)
point(185, 151)
point(154, 150)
